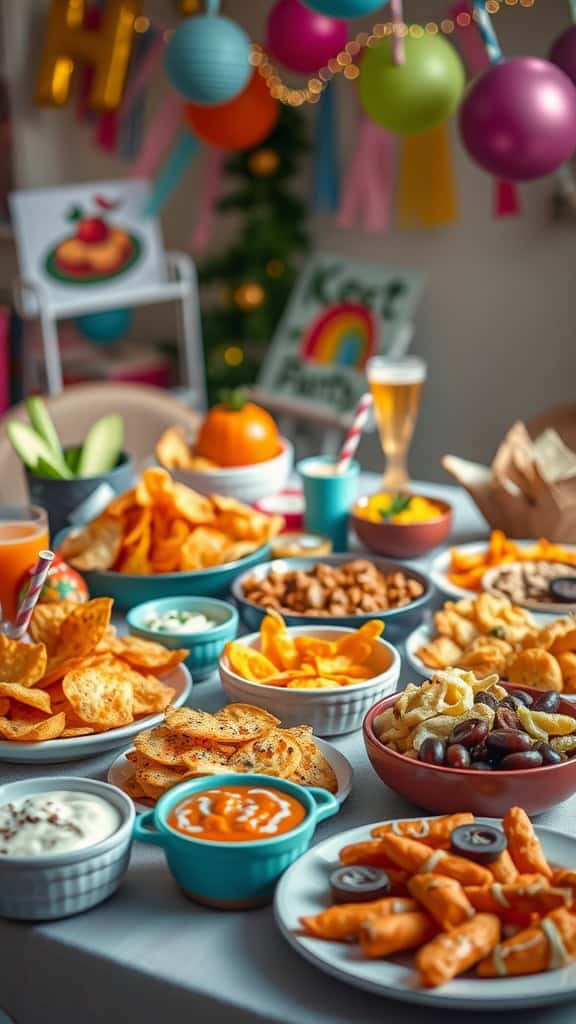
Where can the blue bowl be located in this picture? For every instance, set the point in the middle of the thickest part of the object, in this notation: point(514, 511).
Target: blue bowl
point(232, 876)
point(129, 591)
point(398, 621)
point(205, 647)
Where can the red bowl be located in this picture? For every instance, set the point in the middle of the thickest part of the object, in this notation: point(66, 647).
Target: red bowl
point(450, 790)
point(403, 540)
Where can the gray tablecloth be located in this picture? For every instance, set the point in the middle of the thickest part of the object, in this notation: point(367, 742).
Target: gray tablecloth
point(149, 955)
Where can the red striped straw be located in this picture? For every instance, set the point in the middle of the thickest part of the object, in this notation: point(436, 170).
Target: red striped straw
point(348, 450)
point(32, 594)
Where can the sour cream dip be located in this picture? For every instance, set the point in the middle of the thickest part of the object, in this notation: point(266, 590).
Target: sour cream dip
point(55, 822)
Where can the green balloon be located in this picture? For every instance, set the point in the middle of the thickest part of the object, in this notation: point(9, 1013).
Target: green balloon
point(414, 96)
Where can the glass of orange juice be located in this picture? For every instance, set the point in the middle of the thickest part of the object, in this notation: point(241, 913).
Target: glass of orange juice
point(396, 388)
point(23, 533)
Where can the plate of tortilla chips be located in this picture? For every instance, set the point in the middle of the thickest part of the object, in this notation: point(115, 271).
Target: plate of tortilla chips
point(162, 539)
point(237, 738)
point(77, 689)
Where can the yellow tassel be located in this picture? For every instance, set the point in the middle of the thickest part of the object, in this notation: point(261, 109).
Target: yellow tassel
point(427, 183)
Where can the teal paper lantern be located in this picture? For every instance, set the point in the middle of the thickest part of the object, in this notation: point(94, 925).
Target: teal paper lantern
point(345, 8)
point(208, 59)
point(105, 327)
point(417, 95)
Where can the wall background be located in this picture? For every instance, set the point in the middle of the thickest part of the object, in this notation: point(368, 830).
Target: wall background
point(498, 321)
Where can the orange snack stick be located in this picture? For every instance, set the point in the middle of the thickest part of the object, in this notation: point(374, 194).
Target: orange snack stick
point(417, 858)
point(381, 936)
point(434, 832)
point(564, 877)
point(369, 852)
point(523, 845)
point(443, 898)
point(545, 946)
point(503, 869)
point(344, 920)
point(452, 953)
point(539, 898)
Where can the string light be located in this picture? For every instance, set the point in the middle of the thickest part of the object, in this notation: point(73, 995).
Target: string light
point(343, 63)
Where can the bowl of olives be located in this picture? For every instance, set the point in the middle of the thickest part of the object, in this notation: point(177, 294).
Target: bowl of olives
point(485, 764)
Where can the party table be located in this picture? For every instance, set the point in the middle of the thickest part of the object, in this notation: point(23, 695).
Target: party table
point(150, 955)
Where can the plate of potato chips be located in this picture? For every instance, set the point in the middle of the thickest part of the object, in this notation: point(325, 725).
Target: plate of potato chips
point(77, 689)
point(162, 539)
point(238, 738)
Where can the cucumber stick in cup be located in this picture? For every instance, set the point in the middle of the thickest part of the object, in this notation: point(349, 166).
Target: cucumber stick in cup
point(38, 446)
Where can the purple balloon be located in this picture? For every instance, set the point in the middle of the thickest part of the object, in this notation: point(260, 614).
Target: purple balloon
point(563, 53)
point(518, 120)
point(301, 39)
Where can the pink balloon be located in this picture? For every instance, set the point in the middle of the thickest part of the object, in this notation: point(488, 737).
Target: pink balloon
point(518, 120)
point(301, 39)
point(563, 53)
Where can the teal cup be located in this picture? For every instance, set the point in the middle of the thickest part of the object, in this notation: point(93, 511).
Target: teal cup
point(237, 875)
point(328, 499)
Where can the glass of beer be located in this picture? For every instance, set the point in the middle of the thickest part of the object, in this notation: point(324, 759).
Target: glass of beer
point(396, 386)
point(23, 533)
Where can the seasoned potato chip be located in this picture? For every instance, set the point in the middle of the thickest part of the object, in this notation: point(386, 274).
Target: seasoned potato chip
point(249, 663)
point(146, 654)
point(277, 753)
point(28, 695)
point(205, 547)
point(22, 731)
point(21, 662)
point(100, 696)
point(154, 779)
point(311, 646)
point(565, 642)
point(46, 621)
point(84, 627)
point(234, 724)
point(94, 546)
point(276, 643)
point(74, 731)
point(164, 746)
point(535, 667)
point(4, 706)
point(314, 769)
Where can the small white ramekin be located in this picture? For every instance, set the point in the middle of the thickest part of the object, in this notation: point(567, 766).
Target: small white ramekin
point(59, 885)
point(330, 712)
point(245, 483)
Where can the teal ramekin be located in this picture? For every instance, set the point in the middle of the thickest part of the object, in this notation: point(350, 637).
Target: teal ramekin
point(205, 647)
point(232, 876)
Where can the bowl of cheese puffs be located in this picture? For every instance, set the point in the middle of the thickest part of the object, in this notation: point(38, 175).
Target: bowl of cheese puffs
point(462, 741)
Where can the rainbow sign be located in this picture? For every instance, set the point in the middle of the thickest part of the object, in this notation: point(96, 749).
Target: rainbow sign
point(343, 335)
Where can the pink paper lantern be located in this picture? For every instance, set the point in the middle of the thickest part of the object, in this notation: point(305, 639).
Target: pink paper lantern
point(518, 120)
point(301, 39)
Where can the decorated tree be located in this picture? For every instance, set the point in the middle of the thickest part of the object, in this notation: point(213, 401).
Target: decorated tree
point(245, 287)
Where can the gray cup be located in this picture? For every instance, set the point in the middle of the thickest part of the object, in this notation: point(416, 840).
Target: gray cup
point(61, 497)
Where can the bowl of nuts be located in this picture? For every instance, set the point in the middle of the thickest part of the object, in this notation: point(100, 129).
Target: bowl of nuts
point(457, 741)
point(344, 590)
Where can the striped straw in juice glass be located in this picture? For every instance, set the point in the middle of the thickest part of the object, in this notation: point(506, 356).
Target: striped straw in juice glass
point(30, 599)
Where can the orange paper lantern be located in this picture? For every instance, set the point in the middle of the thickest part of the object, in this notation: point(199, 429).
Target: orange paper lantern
point(241, 123)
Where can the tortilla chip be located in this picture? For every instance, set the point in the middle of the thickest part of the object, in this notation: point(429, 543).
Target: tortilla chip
point(95, 546)
point(21, 662)
point(146, 654)
point(46, 621)
point(84, 627)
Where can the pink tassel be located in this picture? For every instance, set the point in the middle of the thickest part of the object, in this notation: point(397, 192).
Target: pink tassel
point(367, 192)
point(106, 134)
point(162, 131)
point(506, 199)
point(212, 174)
